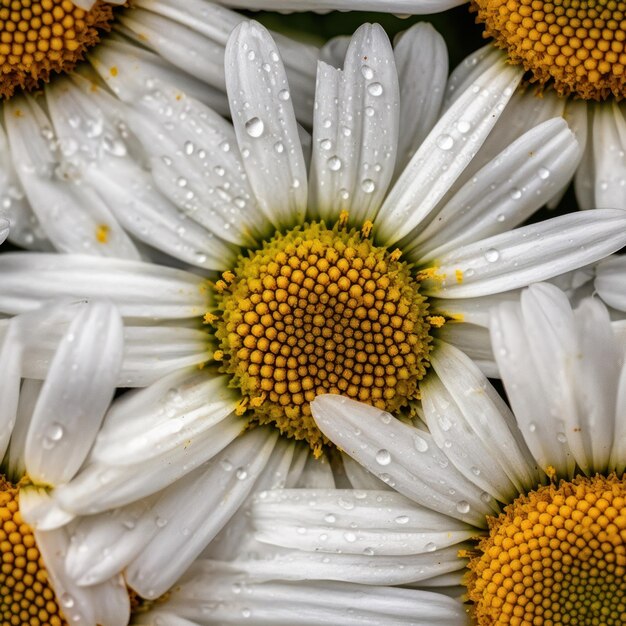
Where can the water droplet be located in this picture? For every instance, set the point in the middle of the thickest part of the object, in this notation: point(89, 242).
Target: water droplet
point(492, 255)
point(368, 185)
point(421, 445)
point(326, 144)
point(251, 55)
point(367, 72)
point(430, 547)
point(350, 537)
point(561, 437)
point(445, 142)
point(330, 518)
point(55, 432)
point(515, 194)
point(368, 551)
point(189, 148)
point(334, 163)
point(255, 127)
point(475, 470)
point(463, 126)
point(279, 147)
point(241, 474)
point(375, 89)
point(463, 506)
point(369, 111)
point(543, 173)
point(67, 601)
point(402, 519)
point(161, 522)
point(532, 427)
point(284, 95)
point(383, 457)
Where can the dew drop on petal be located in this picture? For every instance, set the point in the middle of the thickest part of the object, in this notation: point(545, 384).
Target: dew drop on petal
point(334, 163)
point(375, 89)
point(492, 255)
point(367, 72)
point(462, 506)
point(383, 457)
point(368, 185)
point(445, 142)
point(255, 127)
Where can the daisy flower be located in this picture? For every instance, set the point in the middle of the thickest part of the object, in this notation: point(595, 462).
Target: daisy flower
point(67, 157)
point(519, 516)
point(349, 284)
point(48, 426)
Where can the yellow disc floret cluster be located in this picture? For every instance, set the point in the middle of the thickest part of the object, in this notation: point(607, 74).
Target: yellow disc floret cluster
point(26, 597)
point(321, 310)
point(577, 45)
point(39, 37)
point(556, 556)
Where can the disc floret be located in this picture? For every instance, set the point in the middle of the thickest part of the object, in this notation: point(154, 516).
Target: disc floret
point(319, 310)
point(555, 556)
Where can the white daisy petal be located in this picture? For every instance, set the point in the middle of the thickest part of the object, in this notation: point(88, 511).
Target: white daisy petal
point(317, 474)
point(474, 341)
point(72, 216)
point(610, 282)
point(316, 603)
point(380, 569)
point(138, 289)
point(75, 395)
point(404, 457)
point(446, 151)
point(359, 477)
point(4, 229)
point(470, 310)
point(352, 522)
point(39, 509)
point(468, 419)
point(160, 418)
point(609, 156)
point(103, 545)
point(188, 525)
point(132, 73)
point(618, 455)
point(529, 254)
point(333, 52)
point(107, 603)
point(355, 130)
point(99, 487)
point(265, 124)
point(227, 544)
point(505, 192)
point(29, 393)
point(11, 354)
point(422, 61)
point(548, 329)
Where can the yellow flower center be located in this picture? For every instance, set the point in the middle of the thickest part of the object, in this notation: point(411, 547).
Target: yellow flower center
point(26, 596)
point(319, 310)
point(577, 45)
point(39, 37)
point(556, 556)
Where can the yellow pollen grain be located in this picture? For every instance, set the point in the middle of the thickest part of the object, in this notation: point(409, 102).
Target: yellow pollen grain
point(26, 596)
point(578, 46)
point(556, 556)
point(321, 310)
point(102, 233)
point(40, 37)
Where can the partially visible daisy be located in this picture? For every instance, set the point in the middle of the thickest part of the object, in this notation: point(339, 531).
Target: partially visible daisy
point(47, 429)
point(525, 510)
point(349, 285)
point(68, 157)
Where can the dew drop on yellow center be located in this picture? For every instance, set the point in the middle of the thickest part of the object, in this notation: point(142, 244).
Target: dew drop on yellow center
point(578, 46)
point(40, 37)
point(321, 310)
point(556, 556)
point(26, 596)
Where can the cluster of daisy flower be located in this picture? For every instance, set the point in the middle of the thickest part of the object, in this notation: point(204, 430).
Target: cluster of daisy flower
point(286, 337)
